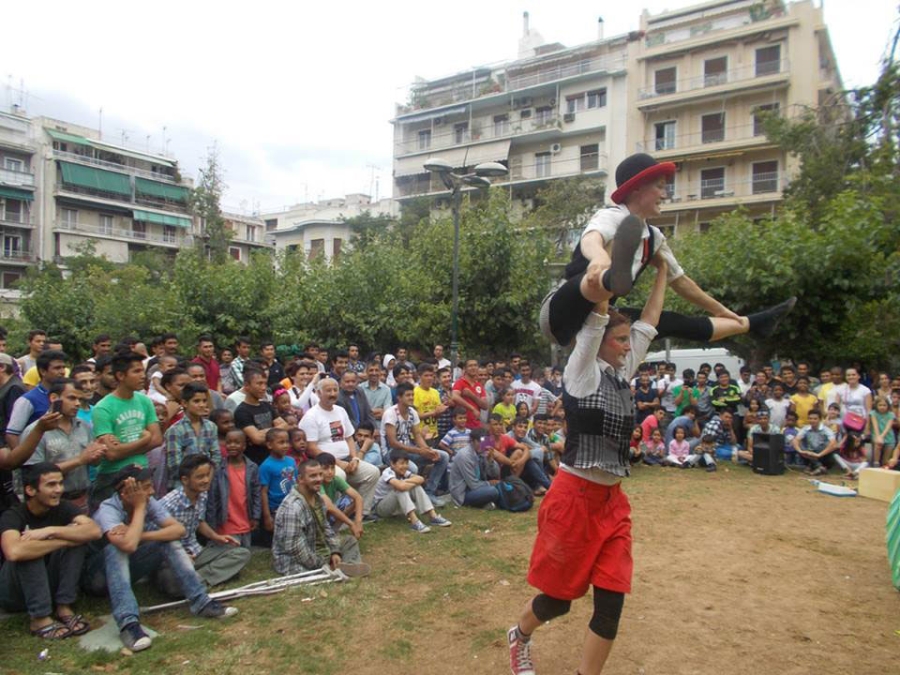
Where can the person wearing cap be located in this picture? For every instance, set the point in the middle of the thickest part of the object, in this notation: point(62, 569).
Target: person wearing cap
point(139, 534)
point(595, 275)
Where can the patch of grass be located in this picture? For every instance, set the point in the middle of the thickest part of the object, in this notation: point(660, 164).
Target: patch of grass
point(396, 649)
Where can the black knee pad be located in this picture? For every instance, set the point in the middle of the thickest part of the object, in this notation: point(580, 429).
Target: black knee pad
point(546, 608)
point(607, 611)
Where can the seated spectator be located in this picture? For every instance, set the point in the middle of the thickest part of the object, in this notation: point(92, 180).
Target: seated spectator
point(537, 438)
point(763, 426)
point(720, 427)
point(653, 450)
point(370, 450)
point(234, 505)
point(679, 450)
point(281, 405)
point(751, 417)
point(705, 453)
point(652, 422)
point(533, 472)
point(344, 498)
point(687, 420)
point(816, 445)
point(140, 535)
point(635, 451)
point(459, 437)
point(833, 421)
point(223, 557)
point(44, 545)
point(474, 474)
point(790, 432)
point(852, 455)
point(191, 435)
point(276, 476)
point(513, 456)
point(304, 539)
point(400, 493)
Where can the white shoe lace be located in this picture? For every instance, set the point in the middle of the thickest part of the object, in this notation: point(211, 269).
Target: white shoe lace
point(523, 656)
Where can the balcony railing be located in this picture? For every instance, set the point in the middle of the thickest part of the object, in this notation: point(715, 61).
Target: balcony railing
point(769, 183)
point(744, 132)
point(604, 63)
point(23, 179)
point(139, 200)
point(112, 166)
point(483, 129)
point(19, 255)
point(23, 220)
point(760, 69)
point(165, 238)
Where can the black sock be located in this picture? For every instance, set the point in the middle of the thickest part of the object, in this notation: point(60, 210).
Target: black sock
point(764, 323)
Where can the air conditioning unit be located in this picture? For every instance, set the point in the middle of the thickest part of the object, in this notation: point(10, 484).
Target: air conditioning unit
point(556, 148)
point(569, 117)
point(525, 114)
point(523, 102)
point(552, 102)
point(438, 121)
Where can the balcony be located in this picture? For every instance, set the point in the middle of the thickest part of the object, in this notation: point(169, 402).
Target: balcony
point(763, 187)
point(607, 63)
point(482, 129)
point(747, 136)
point(113, 166)
point(11, 255)
point(765, 74)
point(19, 179)
point(142, 236)
point(17, 220)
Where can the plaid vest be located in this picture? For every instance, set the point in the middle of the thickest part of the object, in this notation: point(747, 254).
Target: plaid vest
point(599, 427)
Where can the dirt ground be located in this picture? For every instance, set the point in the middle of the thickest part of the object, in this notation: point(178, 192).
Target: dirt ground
point(734, 573)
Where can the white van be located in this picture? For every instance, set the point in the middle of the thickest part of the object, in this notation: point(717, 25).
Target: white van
point(692, 358)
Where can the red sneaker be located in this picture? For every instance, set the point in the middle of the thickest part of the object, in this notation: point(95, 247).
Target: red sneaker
point(519, 654)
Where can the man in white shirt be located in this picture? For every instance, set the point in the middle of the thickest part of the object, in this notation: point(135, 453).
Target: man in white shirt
point(526, 389)
point(328, 429)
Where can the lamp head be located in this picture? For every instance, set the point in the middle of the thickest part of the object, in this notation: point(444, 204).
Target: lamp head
point(438, 165)
point(491, 169)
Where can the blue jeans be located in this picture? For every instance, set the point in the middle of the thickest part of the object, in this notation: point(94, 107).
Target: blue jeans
point(115, 571)
point(534, 475)
point(438, 469)
point(480, 496)
point(36, 585)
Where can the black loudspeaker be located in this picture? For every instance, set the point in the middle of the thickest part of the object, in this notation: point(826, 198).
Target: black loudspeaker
point(768, 454)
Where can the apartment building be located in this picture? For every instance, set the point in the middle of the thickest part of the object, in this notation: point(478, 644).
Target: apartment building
point(550, 114)
point(18, 154)
point(320, 228)
point(700, 81)
point(248, 234)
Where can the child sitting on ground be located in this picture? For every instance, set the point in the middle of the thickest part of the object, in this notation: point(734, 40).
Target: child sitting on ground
point(532, 470)
point(344, 498)
point(679, 450)
point(458, 438)
point(400, 493)
point(235, 503)
point(277, 476)
point(704, 454)
point(852, 455)
point(636, 454)
point(833, 421)
point(654, 449)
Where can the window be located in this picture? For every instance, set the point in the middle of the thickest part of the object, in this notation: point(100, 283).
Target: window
point(574, 103)
point(667, 230)
point(590, 157)
point(501, 125)
point(424, 139)
point(542, 164)
point(460, 131)
point(316, 248)
point(596, 98)
point(234, 252)
point(543, 115)
point(703, 227)
point(765, 177)
point(713, 128)
point(11, 210)
point(69, 218)
point(665, 80)
point(768, 60)
point(139, 229)
point(169, 234)
point(271, 224)
point(106, 224)
point(670, 188)
point(11, 164)
point(12, 246)
point(336, 250)
point(715, 71)
point(11, 279)
point(759, 114)
point(251, 233)
point(712, 182)
point(665, 135)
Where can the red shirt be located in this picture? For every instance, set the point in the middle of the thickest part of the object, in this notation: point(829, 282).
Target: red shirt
point(502, 443)
point(473, 420)
point(238, 521)
point(648, 425)
point(211, 368)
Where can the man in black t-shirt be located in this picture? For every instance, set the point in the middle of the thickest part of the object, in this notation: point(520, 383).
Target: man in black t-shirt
point(255, 416)
point(44, 544)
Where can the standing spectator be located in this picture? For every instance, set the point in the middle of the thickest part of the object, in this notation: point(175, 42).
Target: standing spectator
point(255, 416)
point(242, 357)
point(778, 405)
point(234, 506)
point(339, 361)
point(683, 394)
point(701, 398)
point(101, 346)
point(439, 357)
point(471, 394)
point(377, 393)
point(273, 365)
point(804, 402)
point(193, 434)
point(646, 398)
point(527, 390)
point(427, 402)
point(353, 400)
point(725, 394)
point(354, 363)
point(36, 340)
point(880, 427)
point(854, 396)
point(305, 377)
point(10, 390)
point(226, 374)
point(206, 357)
point(51, 365)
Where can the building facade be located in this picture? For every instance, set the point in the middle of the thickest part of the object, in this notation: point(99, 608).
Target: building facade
point(18, 157)
point(248, 234)
point(319, 229)
point(702, 80)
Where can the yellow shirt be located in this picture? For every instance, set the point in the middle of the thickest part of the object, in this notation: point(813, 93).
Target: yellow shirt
point(32, 379)
point(803, 404)
point(425, 402)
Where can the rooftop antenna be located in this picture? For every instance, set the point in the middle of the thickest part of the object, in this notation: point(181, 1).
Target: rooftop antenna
point(373, 180)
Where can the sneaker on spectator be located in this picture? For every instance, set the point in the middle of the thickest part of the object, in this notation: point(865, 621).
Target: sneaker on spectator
point(439, 502)
point(440, 521)
point(355, 569)
point(419, 527)
point(711, 467)
point(519, 654)
point(216, 610)
point(134, 637)
point(490, 506)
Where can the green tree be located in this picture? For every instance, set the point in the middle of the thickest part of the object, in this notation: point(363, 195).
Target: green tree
point(205, 202)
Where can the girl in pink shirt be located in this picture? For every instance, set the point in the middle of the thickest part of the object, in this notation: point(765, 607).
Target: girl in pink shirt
point(679, 449)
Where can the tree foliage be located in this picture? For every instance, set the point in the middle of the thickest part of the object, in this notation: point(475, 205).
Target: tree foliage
point(206, 200)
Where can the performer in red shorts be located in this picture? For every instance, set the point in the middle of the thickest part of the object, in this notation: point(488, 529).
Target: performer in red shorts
point(584, 524)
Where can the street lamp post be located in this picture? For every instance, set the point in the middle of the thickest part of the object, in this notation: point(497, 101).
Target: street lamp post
point(454, 182)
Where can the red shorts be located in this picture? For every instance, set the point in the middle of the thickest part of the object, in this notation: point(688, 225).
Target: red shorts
point(583, 540)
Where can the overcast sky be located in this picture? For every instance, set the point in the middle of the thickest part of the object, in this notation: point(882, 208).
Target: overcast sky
point(298, 96)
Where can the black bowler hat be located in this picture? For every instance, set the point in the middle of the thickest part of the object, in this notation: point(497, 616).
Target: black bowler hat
point(636, 170)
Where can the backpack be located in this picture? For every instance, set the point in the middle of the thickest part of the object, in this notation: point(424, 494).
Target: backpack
point(515, 495)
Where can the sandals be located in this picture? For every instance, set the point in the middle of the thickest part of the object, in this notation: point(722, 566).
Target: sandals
point(52, 631)
point(75, 623)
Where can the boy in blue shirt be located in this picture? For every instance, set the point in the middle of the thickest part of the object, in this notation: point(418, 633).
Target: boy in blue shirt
point(277, 475)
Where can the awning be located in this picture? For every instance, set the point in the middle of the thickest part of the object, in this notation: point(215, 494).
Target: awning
point(174, 193)
point(134, 154)
point(496, 151)
point(12, 193)
point(161, 218)
point(432, 114)
point(67, 138)
point(96, 179)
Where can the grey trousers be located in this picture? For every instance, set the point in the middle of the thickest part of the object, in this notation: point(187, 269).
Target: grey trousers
point(214, 565)
point(398, 503)
point(38, 585)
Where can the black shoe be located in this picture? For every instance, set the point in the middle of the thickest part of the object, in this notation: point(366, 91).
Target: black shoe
point(763, 324)
point(618, 279)
point(134, 637)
